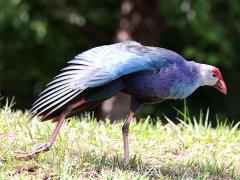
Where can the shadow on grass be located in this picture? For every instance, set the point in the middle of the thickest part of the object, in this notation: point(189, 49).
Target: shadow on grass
point(137, 166)
point(193, 169)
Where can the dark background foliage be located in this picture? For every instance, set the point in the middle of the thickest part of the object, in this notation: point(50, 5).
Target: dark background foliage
point(38, 37)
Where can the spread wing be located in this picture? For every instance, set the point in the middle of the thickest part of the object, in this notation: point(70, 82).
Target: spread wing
point(94, 68)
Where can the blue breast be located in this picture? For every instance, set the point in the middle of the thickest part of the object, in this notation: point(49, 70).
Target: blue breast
point(174, 82)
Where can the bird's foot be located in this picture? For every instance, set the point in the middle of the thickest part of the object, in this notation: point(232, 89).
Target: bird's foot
point(28, 155)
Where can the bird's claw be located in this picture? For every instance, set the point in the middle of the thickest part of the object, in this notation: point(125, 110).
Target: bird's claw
point(45, 147)
point(28, 155)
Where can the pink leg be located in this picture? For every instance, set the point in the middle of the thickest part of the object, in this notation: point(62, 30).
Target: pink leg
point(125, 130)
point(45, 147)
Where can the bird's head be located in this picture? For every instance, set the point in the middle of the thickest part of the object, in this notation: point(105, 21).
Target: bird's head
point(211, 76)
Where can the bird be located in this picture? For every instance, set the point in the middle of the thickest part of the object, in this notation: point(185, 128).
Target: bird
point(148, 74)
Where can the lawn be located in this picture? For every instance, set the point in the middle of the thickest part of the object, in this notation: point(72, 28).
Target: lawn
point(88, 149)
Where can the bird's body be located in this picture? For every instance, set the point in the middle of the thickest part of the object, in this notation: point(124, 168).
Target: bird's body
point(147, 74)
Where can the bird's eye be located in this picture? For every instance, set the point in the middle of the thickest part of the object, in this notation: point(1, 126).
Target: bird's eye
point(214, 75)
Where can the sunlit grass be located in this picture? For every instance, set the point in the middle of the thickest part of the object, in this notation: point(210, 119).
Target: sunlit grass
point(86, 148)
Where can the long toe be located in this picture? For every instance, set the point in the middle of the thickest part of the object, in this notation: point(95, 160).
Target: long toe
point(28, 155)
point(45, 147)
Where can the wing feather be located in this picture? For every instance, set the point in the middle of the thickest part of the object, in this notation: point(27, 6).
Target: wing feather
point(62, 78)
point(50, 98)
point(62, 104)
point(61, 100)
point(57, 85)
point(73, 67)
point(43, 95)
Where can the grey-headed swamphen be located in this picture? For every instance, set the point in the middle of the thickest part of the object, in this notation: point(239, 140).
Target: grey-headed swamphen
point(147, 74)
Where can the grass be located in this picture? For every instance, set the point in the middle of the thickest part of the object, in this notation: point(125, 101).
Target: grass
point(87, 149)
